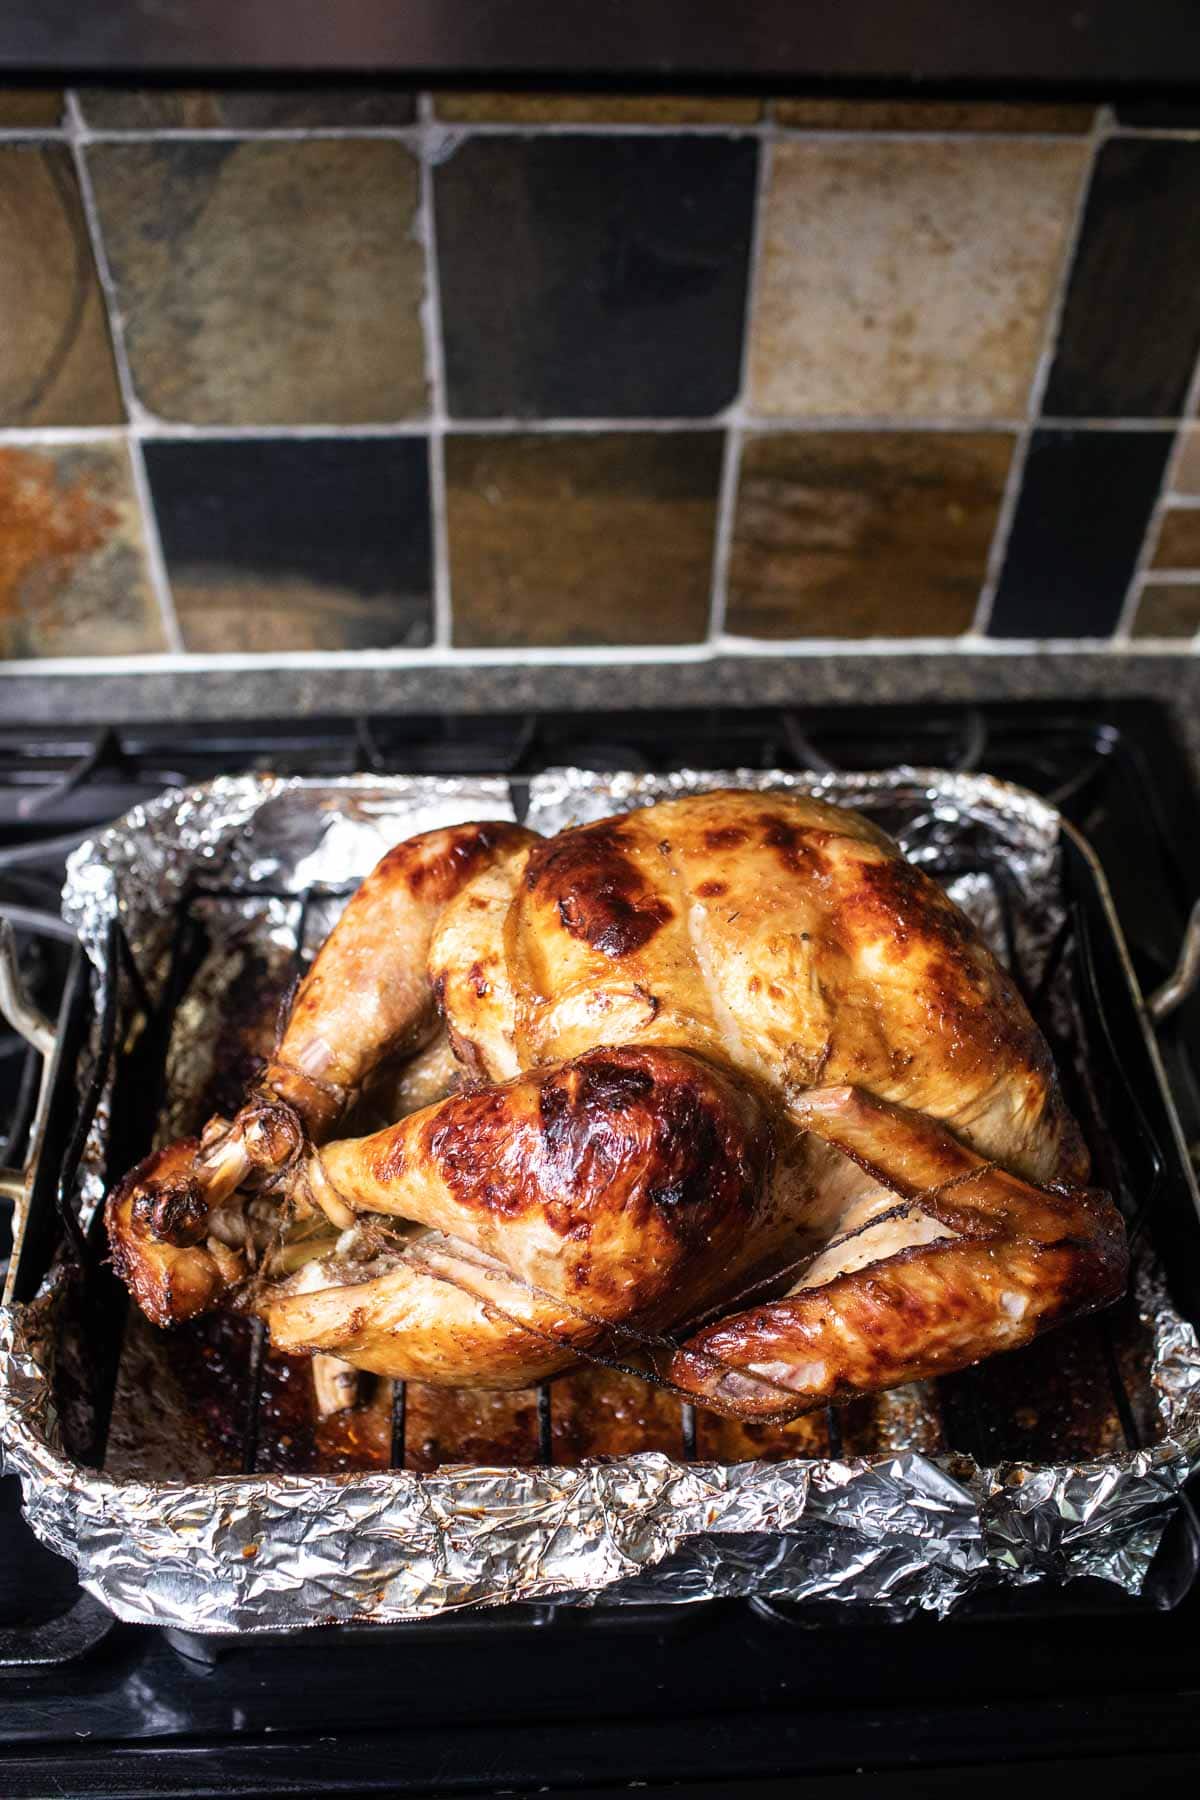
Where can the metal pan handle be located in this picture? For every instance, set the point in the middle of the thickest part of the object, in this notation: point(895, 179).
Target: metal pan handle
point(1186, 976)
point(33, 1025)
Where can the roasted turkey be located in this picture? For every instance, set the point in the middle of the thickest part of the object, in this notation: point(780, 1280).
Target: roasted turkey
point(723, 1090)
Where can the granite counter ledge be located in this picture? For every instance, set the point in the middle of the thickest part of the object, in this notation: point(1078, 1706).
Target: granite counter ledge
point(265, 691)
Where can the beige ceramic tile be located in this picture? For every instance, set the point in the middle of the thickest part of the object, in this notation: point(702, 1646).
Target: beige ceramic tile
point(1168, 610)
point(594, 109)
point(73, 578)
point(1186, 477)
point(933, 115)
point(909, 279)
point(267, 283)
point(56, 364)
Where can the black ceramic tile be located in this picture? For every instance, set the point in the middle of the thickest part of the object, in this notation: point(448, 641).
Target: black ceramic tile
point(296, 544)
point(1158, 115)
point(1131, 325)
point(597, 276)
point(1085, 502)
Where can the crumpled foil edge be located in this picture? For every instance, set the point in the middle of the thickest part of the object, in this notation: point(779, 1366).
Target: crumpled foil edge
point(267, 1553)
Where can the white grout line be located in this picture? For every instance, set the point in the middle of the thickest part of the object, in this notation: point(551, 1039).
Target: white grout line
point(435, 362)
point(1165, 501)
point(1002, 532)
point(735, 417)
point(1041, 375)
point(464, 128)
point(798, 650)
point(149, 428)
point(155, 562)
point(410, 134)
point(159, 579)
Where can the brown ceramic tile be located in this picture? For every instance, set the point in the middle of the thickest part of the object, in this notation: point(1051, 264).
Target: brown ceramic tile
point(267, 283)
point(23, 109)
point(863, 534)
point(595, 109)
point(1168, 610)
point(603, 538)
point(1178, 539)
point(244, 109)
point(56, 365)
point(73, 577)
point(909, 278)
point(933, 115)
point(1186, 477)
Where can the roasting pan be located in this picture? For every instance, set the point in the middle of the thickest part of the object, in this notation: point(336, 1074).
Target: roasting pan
point(1086, 1485)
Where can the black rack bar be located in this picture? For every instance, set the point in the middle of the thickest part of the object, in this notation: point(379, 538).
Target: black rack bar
point(399, 1423)
point(255, 1371)
point(545, 1426)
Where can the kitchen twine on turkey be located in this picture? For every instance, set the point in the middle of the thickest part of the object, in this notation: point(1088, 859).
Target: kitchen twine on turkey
point(161, 1543)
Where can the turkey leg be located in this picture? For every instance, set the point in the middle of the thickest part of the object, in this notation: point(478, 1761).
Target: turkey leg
point(609, 1189)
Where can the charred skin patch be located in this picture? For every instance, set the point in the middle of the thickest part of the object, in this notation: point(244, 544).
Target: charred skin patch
point(438, 863)
point(712, 890)
point(893, 900)
point(800, 848)
point(165, 1199)
point(601, 896)
point(157, 1219)
point(725, 837)
point(627, 1130)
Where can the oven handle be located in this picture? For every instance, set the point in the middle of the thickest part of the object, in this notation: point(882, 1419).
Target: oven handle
point(1185, 977)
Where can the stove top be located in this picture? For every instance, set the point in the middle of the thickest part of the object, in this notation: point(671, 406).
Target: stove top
point(544, 1697)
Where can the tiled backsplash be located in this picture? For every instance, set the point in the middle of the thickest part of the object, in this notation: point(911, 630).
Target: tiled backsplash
point(418, 376)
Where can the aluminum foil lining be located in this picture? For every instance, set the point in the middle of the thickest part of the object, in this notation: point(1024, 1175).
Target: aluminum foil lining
point(904, 1529)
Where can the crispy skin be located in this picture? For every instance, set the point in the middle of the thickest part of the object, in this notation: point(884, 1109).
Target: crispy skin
point(608, 1190)
point(729, 1049)
point(792, 941)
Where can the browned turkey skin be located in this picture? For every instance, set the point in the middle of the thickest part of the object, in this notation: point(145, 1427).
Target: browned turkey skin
point(727, 1071)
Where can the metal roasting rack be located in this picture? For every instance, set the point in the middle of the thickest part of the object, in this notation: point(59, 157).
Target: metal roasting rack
point(1137, 1188)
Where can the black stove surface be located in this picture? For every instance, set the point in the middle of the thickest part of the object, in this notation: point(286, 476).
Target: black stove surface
point(552, 1699)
